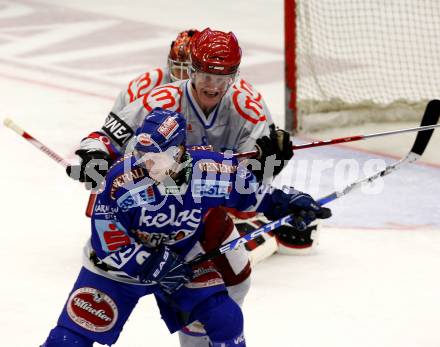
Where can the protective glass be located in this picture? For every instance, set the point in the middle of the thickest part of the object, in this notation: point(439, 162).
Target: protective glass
point(209, 80)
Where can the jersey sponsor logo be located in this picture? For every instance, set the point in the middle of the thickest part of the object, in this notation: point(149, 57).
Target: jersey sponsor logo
point(111, 236)
point(156, 239)
point(172, 190)
point(189, 218)
point(125, 178)
point(121, 258)
point(143, 84)
point(210, 166)
point(205, 275)
point(92, 309)
point(168, 127)
point(136, 197)
point(211, 188)
point(102, 209)
point(248, 103)
point(117, 129)
point(201, 148)
point(168, 97)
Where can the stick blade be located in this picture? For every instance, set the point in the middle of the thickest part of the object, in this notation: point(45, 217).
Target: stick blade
point(430, 117)
point(7, 122)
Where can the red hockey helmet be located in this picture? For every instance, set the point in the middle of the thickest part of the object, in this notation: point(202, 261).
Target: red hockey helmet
point(179, 56)
point(215, 52)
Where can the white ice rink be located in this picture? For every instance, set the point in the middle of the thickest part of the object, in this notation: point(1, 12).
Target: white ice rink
point(374, 280)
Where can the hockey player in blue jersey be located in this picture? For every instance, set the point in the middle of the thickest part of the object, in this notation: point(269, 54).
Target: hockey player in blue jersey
point(148, 224)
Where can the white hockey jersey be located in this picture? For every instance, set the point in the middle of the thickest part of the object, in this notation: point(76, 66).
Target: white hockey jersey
point(140, 87)
point(234, 124)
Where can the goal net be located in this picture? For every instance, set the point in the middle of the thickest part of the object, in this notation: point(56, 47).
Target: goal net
point(355, 61)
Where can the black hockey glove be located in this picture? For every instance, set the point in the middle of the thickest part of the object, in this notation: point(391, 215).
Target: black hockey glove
point(275, 146)
point(165, 268)
point(94, 166)
point(303, 207)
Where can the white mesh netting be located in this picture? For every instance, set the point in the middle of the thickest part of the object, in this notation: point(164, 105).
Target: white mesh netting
point(361, 61)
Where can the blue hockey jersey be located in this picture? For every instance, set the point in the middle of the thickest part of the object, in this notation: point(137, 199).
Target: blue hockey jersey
point(134, 214)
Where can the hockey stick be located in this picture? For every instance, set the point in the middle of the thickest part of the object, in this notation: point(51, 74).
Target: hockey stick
point(9, 123)
point(430, 117)
point(345, 139)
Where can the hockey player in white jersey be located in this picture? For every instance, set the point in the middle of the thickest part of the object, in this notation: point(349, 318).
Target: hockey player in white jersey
point(233, 117)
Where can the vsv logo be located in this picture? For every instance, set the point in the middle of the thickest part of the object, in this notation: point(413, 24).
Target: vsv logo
point(239, 340)
point(121, 258)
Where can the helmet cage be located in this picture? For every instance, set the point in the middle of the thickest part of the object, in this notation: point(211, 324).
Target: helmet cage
point(179, 56)
point(178, 70)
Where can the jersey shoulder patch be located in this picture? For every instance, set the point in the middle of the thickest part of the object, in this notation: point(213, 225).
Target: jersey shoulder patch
point(248, 102)
point(145, 83)
point(121, 173)
point(117, 129)
point(168, 96)
point(214, 162)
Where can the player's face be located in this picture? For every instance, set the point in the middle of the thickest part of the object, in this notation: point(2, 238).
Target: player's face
point(210, 88)
point(162, 165)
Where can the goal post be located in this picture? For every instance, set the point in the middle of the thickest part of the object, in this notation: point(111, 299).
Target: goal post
point(354, 61)
point(291, 117)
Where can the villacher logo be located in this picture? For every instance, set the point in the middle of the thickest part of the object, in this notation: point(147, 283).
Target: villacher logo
point(92, 309)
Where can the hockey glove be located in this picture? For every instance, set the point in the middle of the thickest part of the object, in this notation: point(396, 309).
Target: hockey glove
point(165, 268)
point(303, 207)
point(275, 146)
point(94, 166)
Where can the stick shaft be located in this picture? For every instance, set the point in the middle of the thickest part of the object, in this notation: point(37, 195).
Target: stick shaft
point(410, 158)
point(91, 204)
point(346, 139)
point(60, 160)
point(429, 122)
point(363, 137)
point(38, 144)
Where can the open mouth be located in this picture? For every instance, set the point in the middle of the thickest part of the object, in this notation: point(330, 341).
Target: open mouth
point(211, 94)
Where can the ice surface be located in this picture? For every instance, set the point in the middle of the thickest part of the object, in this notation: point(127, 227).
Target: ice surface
point(374, 279)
